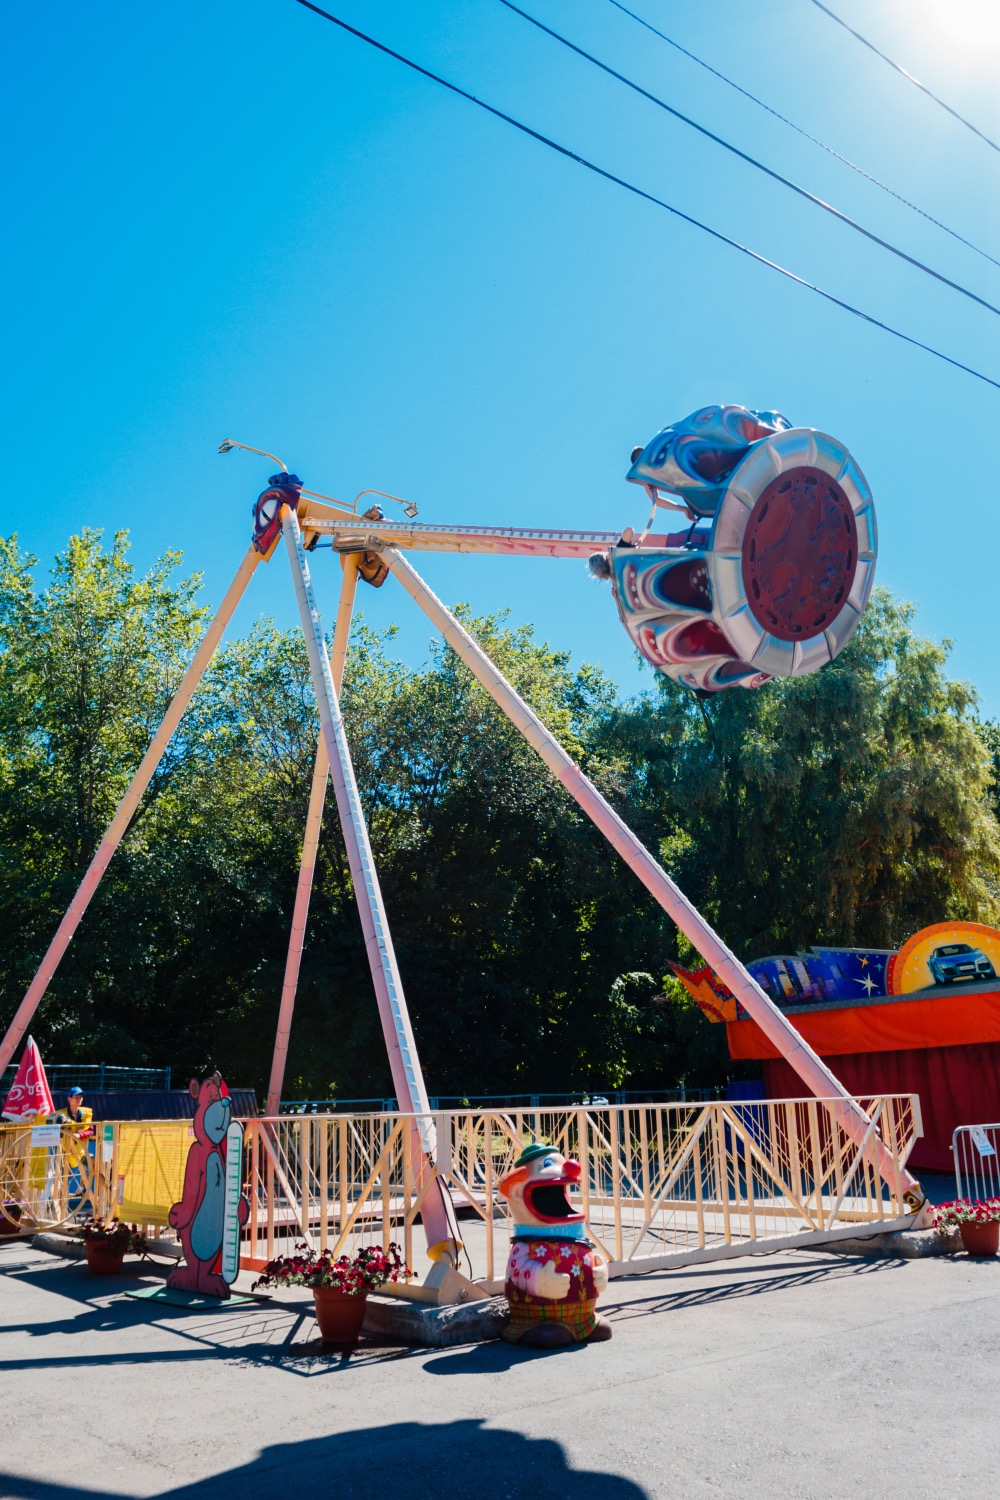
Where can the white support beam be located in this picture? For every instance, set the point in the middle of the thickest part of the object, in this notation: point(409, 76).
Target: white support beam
point(310, 847)
point(437, 1212)
point(512, 541)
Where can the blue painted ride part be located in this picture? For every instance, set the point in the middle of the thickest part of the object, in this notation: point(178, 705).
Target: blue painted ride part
point(694, 458)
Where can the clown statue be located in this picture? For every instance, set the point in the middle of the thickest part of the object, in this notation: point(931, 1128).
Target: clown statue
point(554, 1274)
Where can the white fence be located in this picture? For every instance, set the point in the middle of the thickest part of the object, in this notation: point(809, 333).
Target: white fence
point(661, 1184)
point(976, 1149)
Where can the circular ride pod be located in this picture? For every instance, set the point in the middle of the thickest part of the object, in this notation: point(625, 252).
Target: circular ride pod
point(791, 557)
point(775, 568)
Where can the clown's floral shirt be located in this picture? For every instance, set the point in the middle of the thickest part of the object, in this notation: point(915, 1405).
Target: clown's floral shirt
point(573, 1258)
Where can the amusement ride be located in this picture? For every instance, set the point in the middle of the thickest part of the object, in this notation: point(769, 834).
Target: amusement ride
point(768, 577)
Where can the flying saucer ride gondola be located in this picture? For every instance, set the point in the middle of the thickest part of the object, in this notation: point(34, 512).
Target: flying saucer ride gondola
point(776, 566)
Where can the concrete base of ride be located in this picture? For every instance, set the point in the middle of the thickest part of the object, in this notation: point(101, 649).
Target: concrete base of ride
point(427, 1327)
point(906, 1244)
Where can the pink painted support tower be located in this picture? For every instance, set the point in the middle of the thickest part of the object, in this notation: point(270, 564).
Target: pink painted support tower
point(810, 1068)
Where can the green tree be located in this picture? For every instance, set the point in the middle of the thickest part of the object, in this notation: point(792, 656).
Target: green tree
point(510, 913)
point(86, 670)
point(851, 806)
point(989, 733)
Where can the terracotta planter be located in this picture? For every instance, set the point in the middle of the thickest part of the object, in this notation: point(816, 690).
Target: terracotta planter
point(339, 1314)
point(980, 1239)
point(103, 1259)
point(12, 1225)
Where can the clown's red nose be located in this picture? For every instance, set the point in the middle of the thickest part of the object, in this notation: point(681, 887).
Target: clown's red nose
point(573, 1171)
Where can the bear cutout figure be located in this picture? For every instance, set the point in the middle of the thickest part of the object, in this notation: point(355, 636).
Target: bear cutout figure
point(199, 1217)
point(554, 1273)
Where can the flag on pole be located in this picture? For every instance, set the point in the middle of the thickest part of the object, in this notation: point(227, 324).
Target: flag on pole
point(29, 1093)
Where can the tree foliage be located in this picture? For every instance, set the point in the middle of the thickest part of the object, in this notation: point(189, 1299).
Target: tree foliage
point(852, 806)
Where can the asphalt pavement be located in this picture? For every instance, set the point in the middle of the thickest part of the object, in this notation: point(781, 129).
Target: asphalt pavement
point(800, 1374)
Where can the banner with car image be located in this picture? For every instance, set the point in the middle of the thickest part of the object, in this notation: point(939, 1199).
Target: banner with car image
point(944, 954)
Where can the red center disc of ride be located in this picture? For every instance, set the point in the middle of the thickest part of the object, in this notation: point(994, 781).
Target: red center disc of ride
point(800, 554)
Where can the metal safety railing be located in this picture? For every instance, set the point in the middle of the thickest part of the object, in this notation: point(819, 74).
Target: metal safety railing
point(48, 1176)
point(976, 1151)
point(53, 1175)
point(596, 1097)
point(662, 1184)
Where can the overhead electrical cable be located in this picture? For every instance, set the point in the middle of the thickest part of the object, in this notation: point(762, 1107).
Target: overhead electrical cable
point(639, 192)
point(753, 162)
point(868, 176)
point(907, 75)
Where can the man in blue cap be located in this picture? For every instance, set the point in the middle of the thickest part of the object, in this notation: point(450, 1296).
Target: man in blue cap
point(79, 1115)
point(78, 1127)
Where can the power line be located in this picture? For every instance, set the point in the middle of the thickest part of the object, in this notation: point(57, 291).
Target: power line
point(639, 192)
point(909, 76)
point(868, 176)
point(753, 162)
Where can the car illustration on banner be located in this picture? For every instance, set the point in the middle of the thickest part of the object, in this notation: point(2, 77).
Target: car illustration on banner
point(946, 954)
point(954, 961)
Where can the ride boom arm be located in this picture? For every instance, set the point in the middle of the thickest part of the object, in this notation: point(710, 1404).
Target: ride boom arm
point(359, 534)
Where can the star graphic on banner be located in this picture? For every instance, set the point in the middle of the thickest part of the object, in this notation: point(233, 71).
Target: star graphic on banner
point(866, 984)
point(864, 964)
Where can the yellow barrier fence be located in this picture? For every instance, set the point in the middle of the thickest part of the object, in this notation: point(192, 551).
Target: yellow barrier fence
point(133, 1169)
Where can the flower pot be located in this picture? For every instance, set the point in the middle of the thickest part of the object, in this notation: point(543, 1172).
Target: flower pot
point(10, 1219)
point(980, 1239)
point(339, 1314)
point(103, 1259)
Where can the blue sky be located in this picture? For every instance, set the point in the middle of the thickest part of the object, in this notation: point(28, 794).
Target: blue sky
point(233, 220)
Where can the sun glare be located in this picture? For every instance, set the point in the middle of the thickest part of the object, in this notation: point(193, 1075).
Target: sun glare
point(968, 25)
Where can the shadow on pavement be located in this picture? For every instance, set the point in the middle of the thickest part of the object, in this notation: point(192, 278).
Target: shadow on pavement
point(813, 1275)
point(256, 1333)
point(433, 1461)
point(284, 1336)
point(494, 1358)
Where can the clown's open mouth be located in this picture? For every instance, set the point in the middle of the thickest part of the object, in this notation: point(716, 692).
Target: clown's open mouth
point(549, 1202)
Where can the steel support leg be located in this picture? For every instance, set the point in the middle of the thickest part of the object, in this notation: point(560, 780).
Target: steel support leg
point(436, 1211)
point(775, 1026)
point(126, 808)
point(310, 845)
